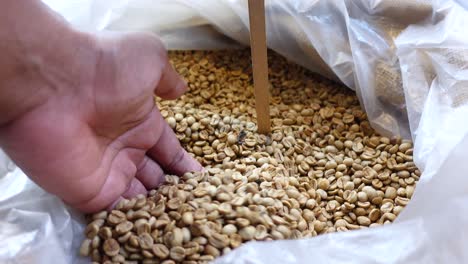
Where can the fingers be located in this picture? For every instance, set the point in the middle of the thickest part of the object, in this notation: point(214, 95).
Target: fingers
point(171, 85)
point(150, 174)
point(134, 188)
point(168, 152)
point(120, 182)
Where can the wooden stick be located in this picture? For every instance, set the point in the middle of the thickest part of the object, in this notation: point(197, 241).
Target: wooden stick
point(260, 64)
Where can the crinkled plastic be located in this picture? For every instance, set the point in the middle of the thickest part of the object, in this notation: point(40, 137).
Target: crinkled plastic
point(407, 61)
point(35, 227)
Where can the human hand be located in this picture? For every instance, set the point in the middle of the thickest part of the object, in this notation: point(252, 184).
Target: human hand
point(95, 134)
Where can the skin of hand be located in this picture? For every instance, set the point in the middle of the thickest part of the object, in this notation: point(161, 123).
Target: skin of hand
point(79, 116)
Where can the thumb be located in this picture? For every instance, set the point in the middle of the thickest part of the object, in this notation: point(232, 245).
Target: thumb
point(171, 85)
point(149, 52)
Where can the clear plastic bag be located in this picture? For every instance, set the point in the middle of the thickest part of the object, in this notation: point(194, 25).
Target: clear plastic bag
point(329, 37)
point(407, 61)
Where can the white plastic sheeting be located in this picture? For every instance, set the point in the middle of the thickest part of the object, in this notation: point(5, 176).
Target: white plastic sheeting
point(407, 61)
